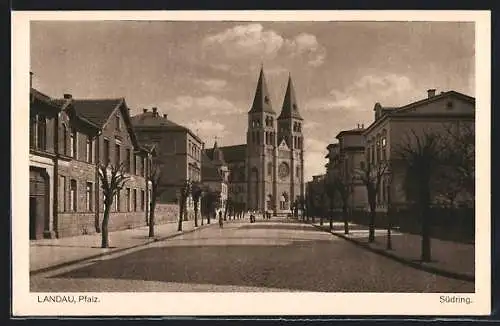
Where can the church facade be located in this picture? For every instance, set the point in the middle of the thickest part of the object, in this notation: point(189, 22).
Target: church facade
point(267, 172)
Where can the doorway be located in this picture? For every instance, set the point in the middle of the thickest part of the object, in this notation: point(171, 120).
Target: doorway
point(38, 203)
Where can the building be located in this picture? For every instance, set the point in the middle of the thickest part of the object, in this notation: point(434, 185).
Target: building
point(315, 196)
point(44, 119)
point(215, 174)
point(69, 139)
point(267, 171)
point(393, 126)
point(179, 153)
point(351, 160)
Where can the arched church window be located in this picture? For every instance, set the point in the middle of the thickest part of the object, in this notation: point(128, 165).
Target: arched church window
point(270, 169)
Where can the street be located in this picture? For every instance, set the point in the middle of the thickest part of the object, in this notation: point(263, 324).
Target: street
point(263, 256)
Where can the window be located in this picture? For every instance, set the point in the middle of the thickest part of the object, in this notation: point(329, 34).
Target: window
point(297, 172)
point(117, 155)
point(144, 163)
point(134, 200)
point(73, 143)
point(64, 140)
point(127, 160)
point(270, 169)
point(129, 203)
point(118, 122)
point(89, 149)
point(62, 194)
point(117, 201)
point(362, 165)
point(88, 196)
point(143, 199)
point(72, 196)
point(33, 131)
point(106, 152)
point(136, 165)
point(449, 105)
point(41, 132)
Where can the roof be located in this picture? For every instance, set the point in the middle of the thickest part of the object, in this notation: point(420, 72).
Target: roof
point(209, 171)
point(262, 100)
point(152, 120)
point(392, 111)
point(96, 111)
point(290, 107)
point(355, 131)
point(37, 95)
point(233, 153)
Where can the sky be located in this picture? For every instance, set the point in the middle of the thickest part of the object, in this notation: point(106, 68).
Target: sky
point(203, 74)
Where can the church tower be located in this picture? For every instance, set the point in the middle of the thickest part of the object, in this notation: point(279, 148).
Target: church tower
point(290, 153)
point(261, 143)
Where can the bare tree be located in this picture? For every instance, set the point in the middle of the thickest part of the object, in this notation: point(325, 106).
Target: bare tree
point(184, 194)
point(371, 175)
point(196, 192)
point(154, 176)
point(458, 161)
point(343, 190)
point(419, 155)
point(111, 184)
point(330, 191)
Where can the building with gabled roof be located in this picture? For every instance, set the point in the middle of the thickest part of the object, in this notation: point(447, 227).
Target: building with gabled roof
point(392, 126)
point(69, 140)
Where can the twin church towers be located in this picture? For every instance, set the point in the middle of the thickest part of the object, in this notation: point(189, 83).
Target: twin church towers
point(267, 172)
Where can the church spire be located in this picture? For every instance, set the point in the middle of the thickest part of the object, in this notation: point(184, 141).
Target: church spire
point(290, 108)
point(262, 100)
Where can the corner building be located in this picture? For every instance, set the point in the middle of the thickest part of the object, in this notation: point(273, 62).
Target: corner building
point(267, 171)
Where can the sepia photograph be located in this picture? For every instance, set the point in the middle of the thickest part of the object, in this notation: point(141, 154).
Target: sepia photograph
point(178, 156)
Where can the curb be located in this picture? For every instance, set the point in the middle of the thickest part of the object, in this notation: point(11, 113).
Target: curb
point(429, 269)
point(79, 260)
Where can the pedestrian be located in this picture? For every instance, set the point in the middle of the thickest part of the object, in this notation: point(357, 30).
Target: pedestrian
point(221, 221)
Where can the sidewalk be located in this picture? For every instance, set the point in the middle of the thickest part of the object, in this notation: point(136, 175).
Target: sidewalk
point(449, 259)
point(48, 254)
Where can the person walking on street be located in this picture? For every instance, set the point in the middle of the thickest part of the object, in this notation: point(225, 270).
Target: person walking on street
point(221, 220)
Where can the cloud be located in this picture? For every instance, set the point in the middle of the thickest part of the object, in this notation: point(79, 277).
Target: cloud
point(207, 130)
point(202, 106)
point(314, 157)
point(252, 42)
point(212, 85)
point(246, 40)
point(364, 93)
point(307, 44)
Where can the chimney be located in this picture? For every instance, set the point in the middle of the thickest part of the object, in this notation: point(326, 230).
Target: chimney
point(31, 80)
point(431, 92)
point(68, 96)
point(144, 110)
point(165, 116)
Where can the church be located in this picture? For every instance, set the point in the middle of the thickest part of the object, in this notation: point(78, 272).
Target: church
point(267, 172)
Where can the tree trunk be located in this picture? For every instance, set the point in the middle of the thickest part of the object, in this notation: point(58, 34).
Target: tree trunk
point(225, 210)
point(346, 221)
point(104, 229)
point(426, 238)
point(151, 222)
point(371, 225)
point(97, 224)
point(196, 213)
point(331, 223)
point(181, 214)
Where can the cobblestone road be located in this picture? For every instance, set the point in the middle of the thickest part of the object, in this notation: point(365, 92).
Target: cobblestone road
point(264, 256)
